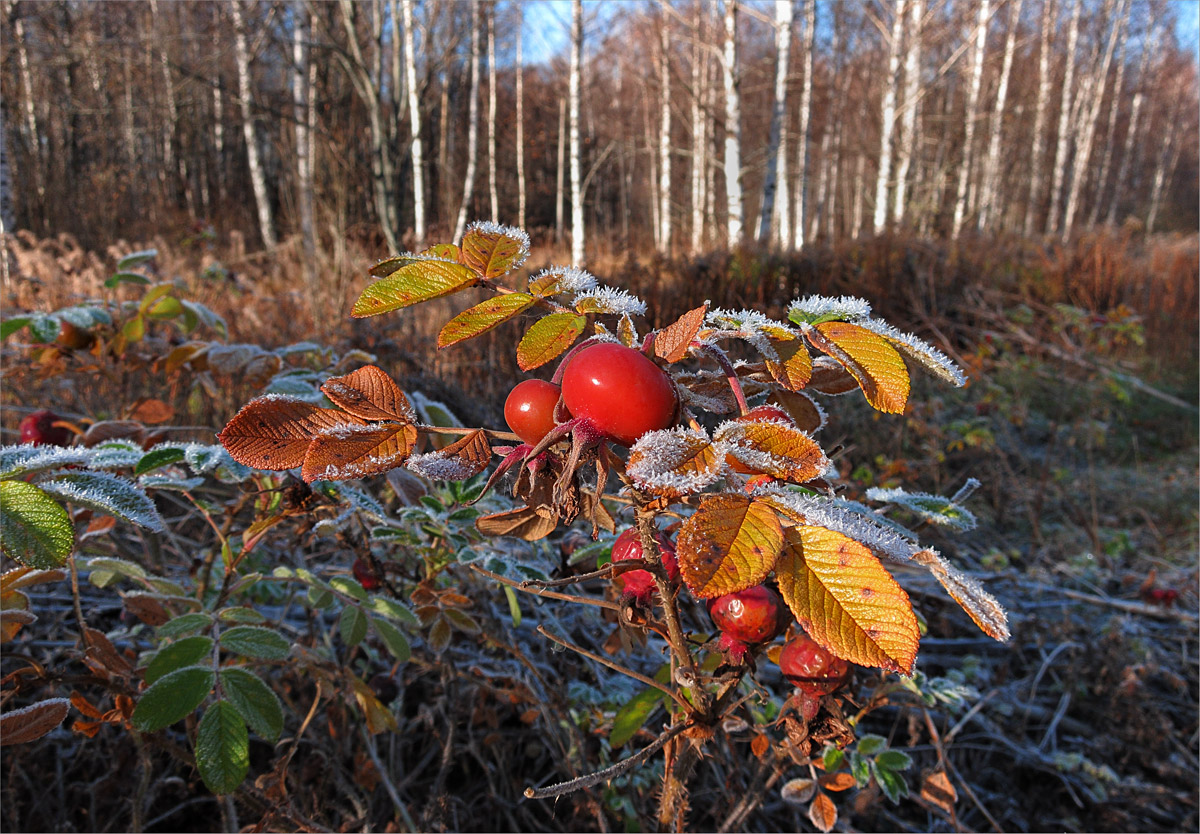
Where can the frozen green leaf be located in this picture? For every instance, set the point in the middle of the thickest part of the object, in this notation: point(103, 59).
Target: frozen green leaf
point(186, 652)
point(34, 529)
point(222, 748)
point(257, 642)
point(254, 700)
point(172, 698)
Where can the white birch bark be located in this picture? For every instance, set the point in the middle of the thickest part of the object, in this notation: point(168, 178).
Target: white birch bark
point(699, 127)
point(1083, 151)
point(258, 179)
point(520, 70)
point(664, 139)
point(1131, 135)
point(860, 183)
point(414, 124)
point(776, 149)
point(30, 110)
point(907, 141)
point(1039, 122)
point(304, 178)
point(1168, 156)
point(888, 118)
point(559, 193)
point(1064, 120)
point(964, 171)
point(804, 131)
point(460, 224)
point(577, 230)
point(733, 129)
point(168, 127)
point(493, 193)
point(1114, 110)
point(991, 170)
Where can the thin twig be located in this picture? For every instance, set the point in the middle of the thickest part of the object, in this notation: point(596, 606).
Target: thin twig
point(611, 772)
point(537, 592)
point(607, 572)
point(616, 667)
point(400, 807)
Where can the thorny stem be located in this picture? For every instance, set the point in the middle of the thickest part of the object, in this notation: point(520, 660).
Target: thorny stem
point(83, 632)
point(616, 667)
point(609, 571)
point(539, 592)
point(492, 433)
point(731, 375)
point(608, 773)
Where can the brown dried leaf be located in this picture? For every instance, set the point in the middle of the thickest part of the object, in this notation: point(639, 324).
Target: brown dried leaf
point(369, 393)
point(378, 717)
point(837, 781)
point(727, 545)
point(829, 377)
point(798, 791)
point(347, 452)
point(529, 523)
point(805, 413)
point(150, 411)
point(275, 432)
point(671, 343)
point(32, 722)
point(106, 430)
point(23, 577)
point(823, 813)
point(760, 745)
point(937, 789)
point(147, 609)
point(103, 651)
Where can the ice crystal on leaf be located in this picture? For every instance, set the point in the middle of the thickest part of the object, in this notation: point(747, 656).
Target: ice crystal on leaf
point(824, 512)
point(937, 362)
point(107, 494)
point(18, 459)
point(438, 467)
point(749, 326)
point(678, 461)
point(935, 509)
point(609, 300)
point(569, 279)
point(487, 227)
point(814, 308)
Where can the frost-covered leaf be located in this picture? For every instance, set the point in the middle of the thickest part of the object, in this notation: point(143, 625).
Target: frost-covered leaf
point(675, 462)
point(937, 362)
point(870, 358)
point(671, 343)
point(254, 701)
point(465, 458)
point(982, 607)
point(350, 451)
point(172, 698)
point(935, 509)
point(881, 534)
point(729, 543)
point(846, 600)
point(774, 448)
point(182, 625)
point(411, 284)
point(392, 610)
point(815, 309)
point(493, 250)
point(369, 393)
point(116, 454)
point(805, 412)
point(274, 432)
point(222, 748)
point(17, 460)
point(136, 258)
point(211, 319)
point(34, 529)
point(30, 723)
point(547, 338)
point(44, 329)
point(108, 494)
point(232, 359)
point(793, 366)
point(561, 279)
point(158, 457)
point(171, 482)
point(477, 320)
point(395, 641)
point(297, 387)
point(609, 300)
point(823, 813)
point(256, 642)
point(364, 502)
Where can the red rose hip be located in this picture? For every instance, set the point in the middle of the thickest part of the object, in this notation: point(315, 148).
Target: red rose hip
point(619, 391)
point(39, 429)
point(749, 616)
point(639, 584)
point(529, 409)
point(810, 667)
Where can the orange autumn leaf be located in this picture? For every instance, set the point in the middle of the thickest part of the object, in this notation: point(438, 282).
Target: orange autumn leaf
point(481, 318)
point(369, 393)
point(729, 543)
point(823, 813)
point(274, 432)
point(846, 600)
point(347, 452)
point(794, 368)
point(674, 463)
point(671, 343)
point(870, 358)
point(30, 723)
point(773, 449)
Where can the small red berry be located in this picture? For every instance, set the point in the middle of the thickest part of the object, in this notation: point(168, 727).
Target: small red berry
point(529, 409)
point(749, 616)
point(365, 574)
point(639, 583)
point(619, 391)
point(39, 429)
point(812, 668)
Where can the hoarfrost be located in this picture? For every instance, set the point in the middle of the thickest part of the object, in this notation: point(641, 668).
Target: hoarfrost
point(108, 494)
point(660, 453)
point(824, 512)
point(571, 279)
point(438, 467)
point(18, 459)
point(844, 308)
point(937, 362)
point(487, 227)
point(612, 300)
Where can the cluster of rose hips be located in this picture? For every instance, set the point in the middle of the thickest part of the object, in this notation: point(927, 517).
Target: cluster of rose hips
point(621, 394)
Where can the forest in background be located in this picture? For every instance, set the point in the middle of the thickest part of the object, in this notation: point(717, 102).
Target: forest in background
point(668, 125)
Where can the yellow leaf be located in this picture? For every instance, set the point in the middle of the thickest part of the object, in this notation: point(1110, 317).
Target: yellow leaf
point(547, 338)
point(387, 266)
point(378, 717)
point(411, 284)
point(823, 813)
point(347, 452)
point(674, 463)
point(978, 603)
point(369, 393)
point(773, 449)
point(879, 369)
point(794, 368)
point(483, 317)
point(846, 600)
point(727, 545)
point(490, 251)
point(804, 411)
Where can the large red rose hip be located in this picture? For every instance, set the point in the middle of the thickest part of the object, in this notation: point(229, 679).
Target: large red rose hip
point(529, 409)
point(812, 668)
point(39, 429)
point(639, 584)
point(749, 616)
point(619, 391)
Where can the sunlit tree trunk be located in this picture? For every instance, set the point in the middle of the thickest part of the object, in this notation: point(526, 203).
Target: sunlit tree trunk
point(776, 147)
point(1131, 135)
point(304, 178)
point(460, 224)
point(520, 80)
point(804, 129)
point(31, 119)
point(664, 139)
point(1114, 109)
point(964, 172)
point(699, 126)
point(1168, 154)
point(559, 193)
point(888, 118)
point(414, 117)
point(577, 230)
point(1064, 121)
point(907, 142)
point(991, 169)
point(1039, 121)
point(733, 129)
point(258, 179)
point(493, 192)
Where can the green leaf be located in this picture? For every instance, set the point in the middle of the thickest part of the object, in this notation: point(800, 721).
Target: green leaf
point(172, 697)
point(352, 625)
point(254, 641)
point(514, 607)
point(12, 325)
point(118, 566)
point(319, 597)
point(637, 710)
point(184, 624)
point(34, 529)
point(107, 494)
point(893, 760)
point(186, 652)
point(396, 642)
point(126, 277)
point(165, 308)
point(481, 318)
point(387, 266)
point(832, 758)
point(137, 258)
point(892, 784)
point(156, 458)
point(412, 284)
point(392, 610)
point(222, 748)
point(860, 768)
point(134, 329)
point(241, 615)
point(869, 745)
point(254, 701)
point(349, 587)
point(547, 338)
point(44, 328)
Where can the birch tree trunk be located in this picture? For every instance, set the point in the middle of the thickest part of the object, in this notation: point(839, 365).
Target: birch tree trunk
point(964, 172)
point(1113, 111)
point(520, 70)
point(991, 170)
point(699, 126)
point(166, 171)
point(31, 120)
point(304, 177)
point(559, 198)
point(414, 124)
point(1167, 158)
point(907, 141)
point(1131, 134)
point(577, 230)
point(472, 127)
point(1039, 122)
point(664, 140)
point(493, 193)
point(804, 130)
point(776, 148)
point(888, 117)
point(1083, 151)
point(733, 129)
point(1064, 121)
point(258, 179)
